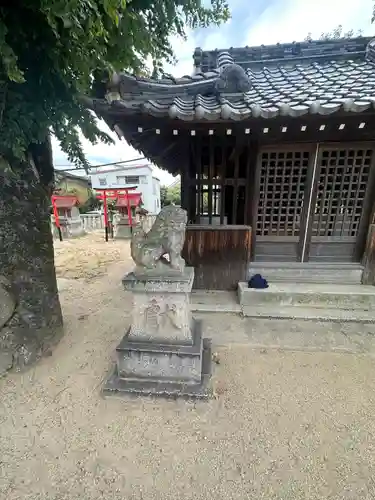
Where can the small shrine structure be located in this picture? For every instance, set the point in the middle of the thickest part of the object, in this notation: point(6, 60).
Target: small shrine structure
point(126, 202)
point(275, 148)
point(66, 219)
point(127, 215)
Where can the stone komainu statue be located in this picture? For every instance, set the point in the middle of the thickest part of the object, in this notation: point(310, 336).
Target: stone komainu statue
point(166, 237)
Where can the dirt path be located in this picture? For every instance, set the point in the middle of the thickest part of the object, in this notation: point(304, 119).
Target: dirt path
point(88, 257)
point(284, 426)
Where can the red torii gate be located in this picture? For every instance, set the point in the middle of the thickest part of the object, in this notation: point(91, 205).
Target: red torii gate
point(63, 201)
point(109, 194)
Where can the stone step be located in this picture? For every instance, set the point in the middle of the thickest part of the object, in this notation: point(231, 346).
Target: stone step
point(309, 301)
point(297, 272)
point(310, 314)
point(214, 301)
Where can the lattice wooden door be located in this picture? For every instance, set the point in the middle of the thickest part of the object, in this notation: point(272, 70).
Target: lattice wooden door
point(280, 217)
point(343, 184)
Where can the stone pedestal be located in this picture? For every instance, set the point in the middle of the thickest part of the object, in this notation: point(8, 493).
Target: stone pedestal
point(122, 227)
point(163, 353)
point(70, 228)
point(75, 227)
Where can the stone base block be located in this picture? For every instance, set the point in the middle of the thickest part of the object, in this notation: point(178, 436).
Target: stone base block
point(123, 232)
point(69, 229)
point(161, 308)
point(75, 228)
point(161, 361)
point(146, 368)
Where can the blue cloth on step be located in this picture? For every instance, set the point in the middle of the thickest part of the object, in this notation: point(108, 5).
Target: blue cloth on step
point(257, 281)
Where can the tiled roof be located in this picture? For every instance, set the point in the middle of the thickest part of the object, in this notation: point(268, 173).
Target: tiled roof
point(65, 201)
point(271, 55)
point(135, 199)
point(315, 86)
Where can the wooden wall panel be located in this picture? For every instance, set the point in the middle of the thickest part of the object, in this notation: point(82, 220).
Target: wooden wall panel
point(369, 258)
point(220, 255)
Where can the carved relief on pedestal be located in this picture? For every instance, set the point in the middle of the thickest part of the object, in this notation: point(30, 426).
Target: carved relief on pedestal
point(173, 314)
point(160, 316)
point(152, 317)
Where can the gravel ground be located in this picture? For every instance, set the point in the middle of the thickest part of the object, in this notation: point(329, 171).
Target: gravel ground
point(87, 257)
point(283, 425)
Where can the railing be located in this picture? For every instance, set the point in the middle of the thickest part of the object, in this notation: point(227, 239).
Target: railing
point(70, 227)
point(92, 222)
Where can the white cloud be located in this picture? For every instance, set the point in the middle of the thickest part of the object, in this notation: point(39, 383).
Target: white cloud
point(184, 50)
point(291, 20)
point(215, 41)
point(106, 153)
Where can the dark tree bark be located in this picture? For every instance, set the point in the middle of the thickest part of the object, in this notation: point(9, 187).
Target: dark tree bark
point(30, 312)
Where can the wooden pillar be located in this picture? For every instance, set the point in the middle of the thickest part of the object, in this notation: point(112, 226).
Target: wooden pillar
point(185, 189)
point(223, 174)
point(210, 177)
point(250, 189)
point(369, 258)
point(199, 177)
point(187, 175)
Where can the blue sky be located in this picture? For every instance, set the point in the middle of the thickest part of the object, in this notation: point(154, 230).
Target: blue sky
point(253, 22)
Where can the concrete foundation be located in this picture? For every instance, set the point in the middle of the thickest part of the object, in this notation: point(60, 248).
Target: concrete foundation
point(311, 272)
point(70, 228)
point(162, 370)
point(163, 353)
point(309, 301)
point(122, 229)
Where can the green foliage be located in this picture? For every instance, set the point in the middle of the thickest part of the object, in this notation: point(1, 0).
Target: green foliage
point(92, 203)
point(163, 196)
point(170, 195)
point(51, 49)
point(335, 34)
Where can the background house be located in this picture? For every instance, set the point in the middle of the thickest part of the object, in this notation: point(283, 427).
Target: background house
point(76, 185)
point(140, 176)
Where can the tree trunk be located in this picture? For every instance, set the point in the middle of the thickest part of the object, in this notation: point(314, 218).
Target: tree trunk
point(30, 312)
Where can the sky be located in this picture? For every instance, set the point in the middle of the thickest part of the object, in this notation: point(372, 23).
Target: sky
point(253, 22)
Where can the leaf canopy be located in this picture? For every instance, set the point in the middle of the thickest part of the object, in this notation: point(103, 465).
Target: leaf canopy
point(51, 49)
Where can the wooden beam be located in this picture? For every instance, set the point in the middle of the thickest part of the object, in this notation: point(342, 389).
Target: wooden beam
point(196, 144)
point(235, 187)
point(368, 211)
point(307, 214)
point(250, 177)
point(228, 182)
point(223, 182)
point(210, 176)
point(369, 258)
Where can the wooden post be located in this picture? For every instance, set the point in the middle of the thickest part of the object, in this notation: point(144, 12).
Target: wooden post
point(223, 175)
point(235, 187)
point(130, 218)
point(368, 277)
point(211, 163)
point(56, 215)
point(105, 214)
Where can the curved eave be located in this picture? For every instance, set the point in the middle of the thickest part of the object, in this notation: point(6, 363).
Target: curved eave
point(227, 111)
point(202, 83)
